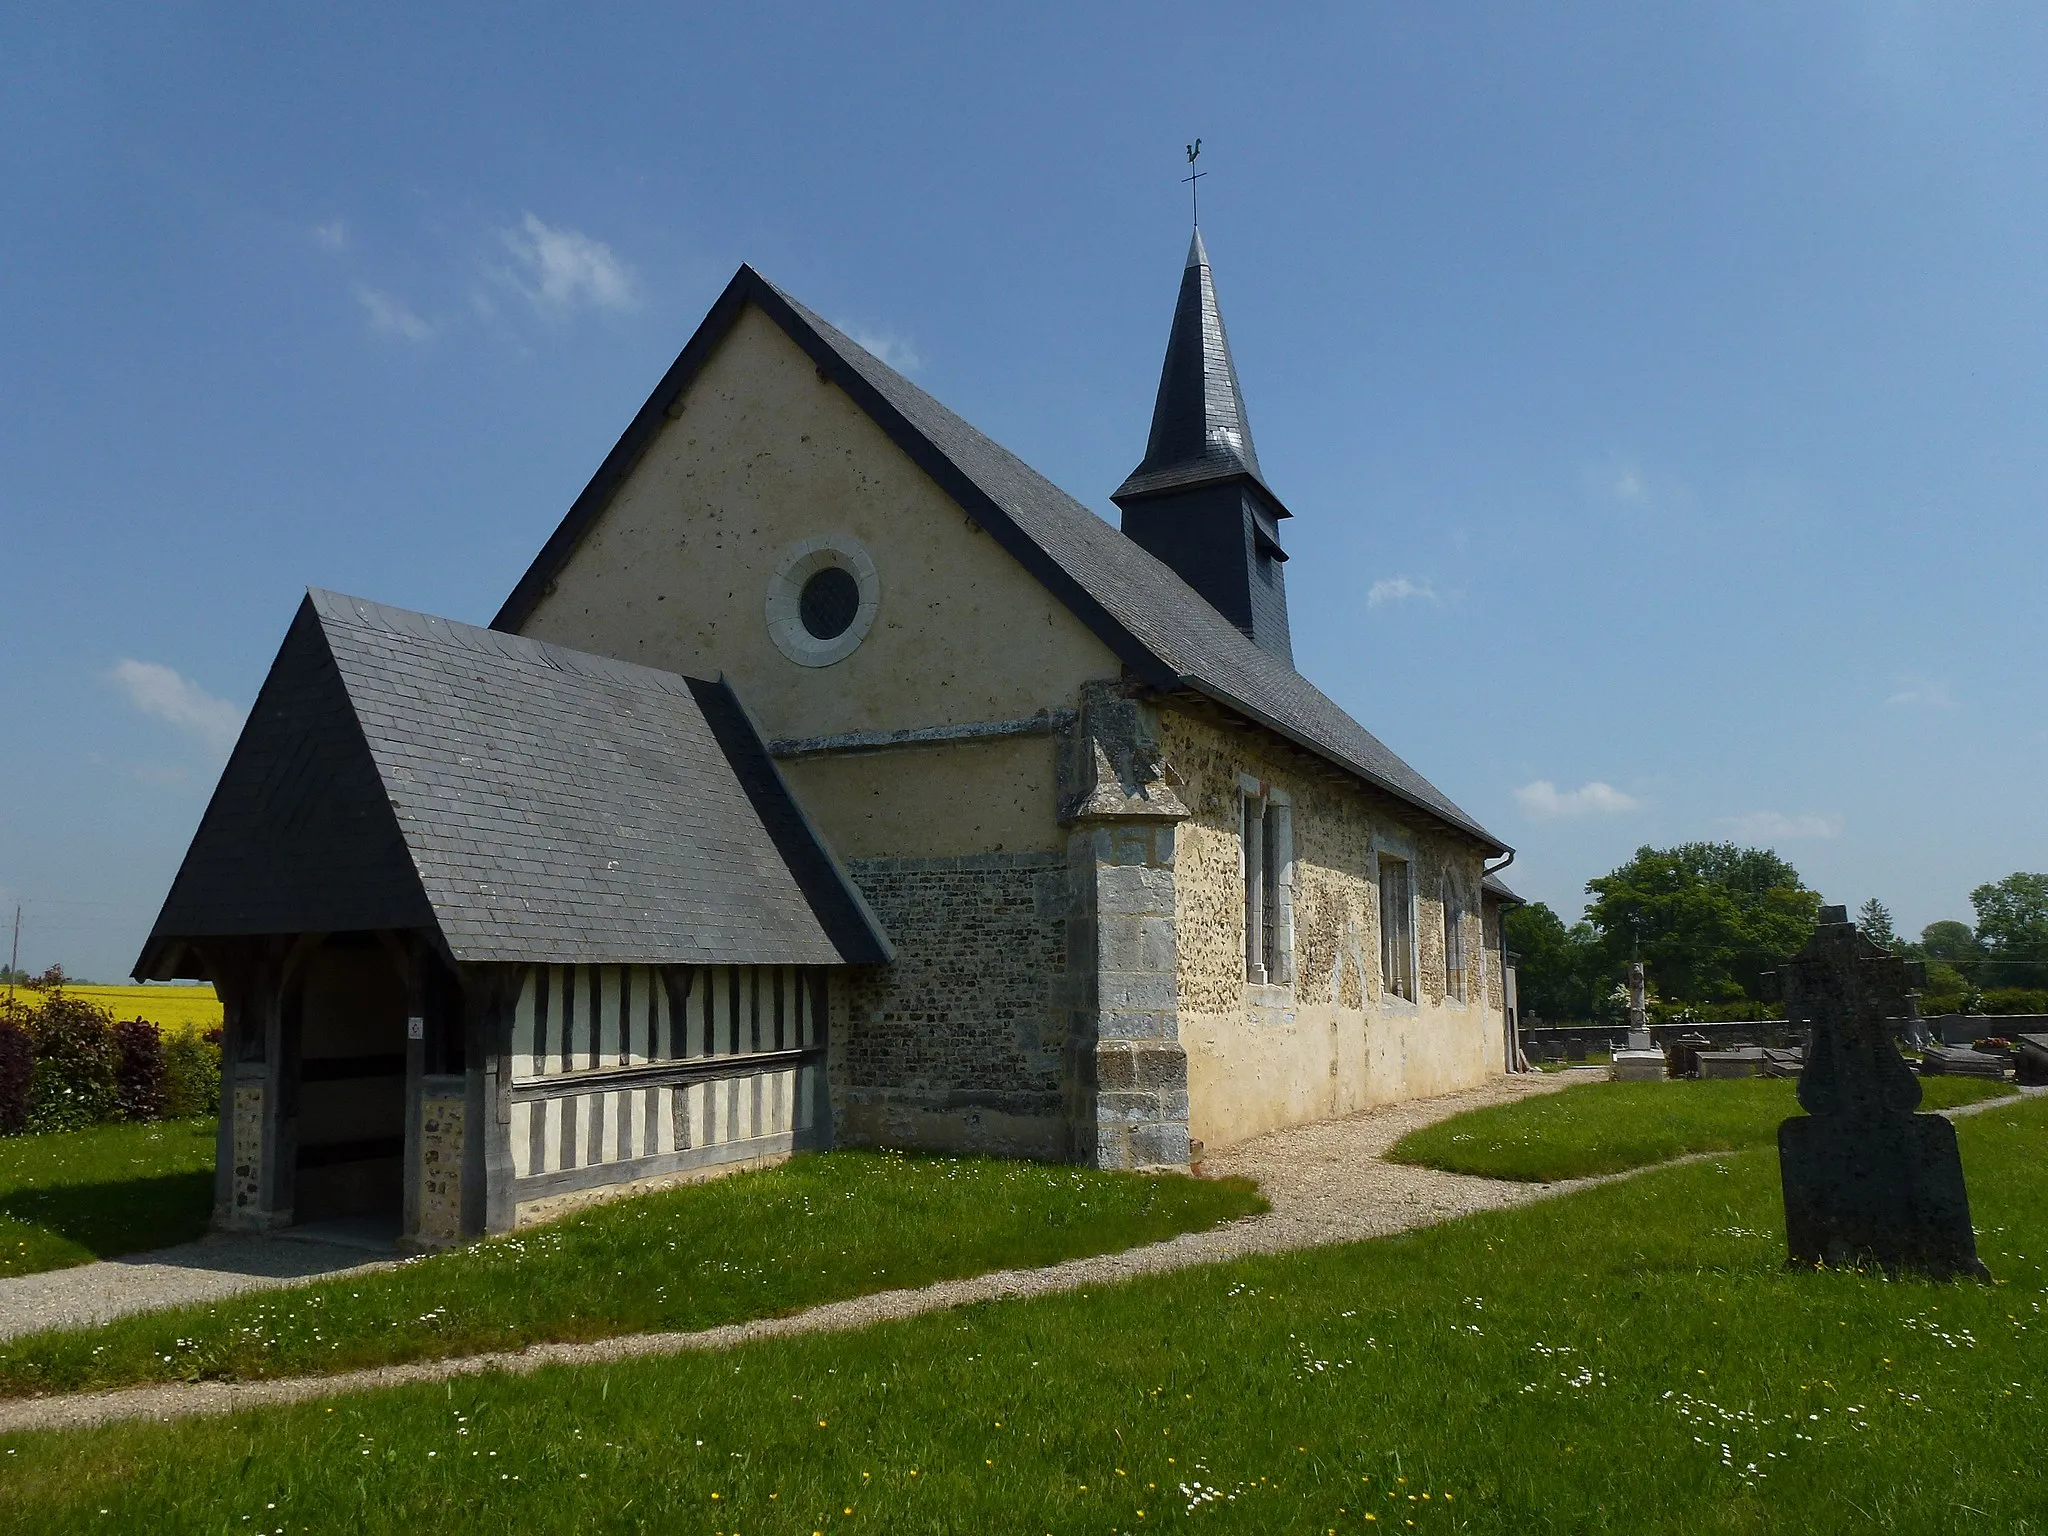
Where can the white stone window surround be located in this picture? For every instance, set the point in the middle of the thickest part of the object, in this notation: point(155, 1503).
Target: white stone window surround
point(1401, 848)
point(1265, 811)
point(1454, 912)
point(784, 606)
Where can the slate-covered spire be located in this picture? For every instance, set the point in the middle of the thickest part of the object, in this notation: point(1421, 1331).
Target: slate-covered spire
point(1199, 500)
point(1200, 433)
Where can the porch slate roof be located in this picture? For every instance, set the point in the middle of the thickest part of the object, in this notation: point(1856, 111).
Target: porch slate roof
point(532, 803)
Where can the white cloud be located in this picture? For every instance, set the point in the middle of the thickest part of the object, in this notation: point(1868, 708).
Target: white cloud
point(1623, 483)
point(560, 268)
point(1921, 693)
point(157, 690)
point(331, 236)
point(897, 351)
point(1545, 800)
point(391, 316)
point(1398, 589)
point(1770, 826)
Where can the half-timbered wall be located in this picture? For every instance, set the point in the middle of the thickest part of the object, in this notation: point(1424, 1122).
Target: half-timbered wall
point(626, 1072)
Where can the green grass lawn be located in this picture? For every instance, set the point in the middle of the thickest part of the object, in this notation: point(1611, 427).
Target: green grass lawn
point(1607, 1127)
point(1632, 1358)
point(816, 1229)
point(76, 1196)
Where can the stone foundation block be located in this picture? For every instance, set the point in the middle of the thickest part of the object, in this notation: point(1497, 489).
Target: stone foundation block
point(1138, 991)
point(1160, 1146)
point(1127, 1024)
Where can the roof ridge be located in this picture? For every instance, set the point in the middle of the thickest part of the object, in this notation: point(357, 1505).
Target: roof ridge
point(367, 613)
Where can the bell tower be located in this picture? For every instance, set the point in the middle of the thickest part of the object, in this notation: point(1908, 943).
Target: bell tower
point(1199, 501)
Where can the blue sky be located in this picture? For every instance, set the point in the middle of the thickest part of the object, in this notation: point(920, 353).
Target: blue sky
point(1657, 388)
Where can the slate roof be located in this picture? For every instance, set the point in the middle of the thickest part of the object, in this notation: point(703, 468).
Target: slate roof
point(1201, 434)
point(1159, 626)
point(1494, 886)
point(533, 803)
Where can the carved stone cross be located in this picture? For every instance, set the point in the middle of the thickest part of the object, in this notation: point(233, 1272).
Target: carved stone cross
point(1866, 1180)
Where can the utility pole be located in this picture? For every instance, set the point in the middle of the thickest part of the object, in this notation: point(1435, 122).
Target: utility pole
point(14, 959)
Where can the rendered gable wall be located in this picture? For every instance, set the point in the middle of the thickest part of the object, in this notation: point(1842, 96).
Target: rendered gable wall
point(675, 573)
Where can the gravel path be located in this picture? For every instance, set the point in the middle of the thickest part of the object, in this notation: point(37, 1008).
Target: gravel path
point(211, 1269)
point(1327, 1184)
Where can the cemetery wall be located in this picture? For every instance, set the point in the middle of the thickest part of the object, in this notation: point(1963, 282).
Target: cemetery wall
point(1329, 1041)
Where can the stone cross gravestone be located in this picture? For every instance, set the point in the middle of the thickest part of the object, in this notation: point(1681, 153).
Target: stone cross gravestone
point(1867, 1181)
point(1638, 1009)
point(1641, 1061)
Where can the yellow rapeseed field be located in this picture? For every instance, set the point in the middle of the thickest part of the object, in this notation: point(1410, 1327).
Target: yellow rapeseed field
point(176, 1010)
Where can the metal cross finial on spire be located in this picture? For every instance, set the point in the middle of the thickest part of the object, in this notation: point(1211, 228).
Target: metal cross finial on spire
point(1193, 176)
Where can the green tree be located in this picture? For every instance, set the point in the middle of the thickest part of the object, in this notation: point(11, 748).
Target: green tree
point(1952, 943)
point(1952, 955)
point(1556, 967)
point(1875, 919)
point(1711, 918)
point(2012, 930)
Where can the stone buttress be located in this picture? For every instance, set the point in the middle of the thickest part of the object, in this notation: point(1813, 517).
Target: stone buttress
point(1125, 1076)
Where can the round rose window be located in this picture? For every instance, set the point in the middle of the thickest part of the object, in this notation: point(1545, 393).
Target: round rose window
point(822, 600)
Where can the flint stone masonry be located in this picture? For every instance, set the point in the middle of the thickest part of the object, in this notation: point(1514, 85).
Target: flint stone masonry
point(1329, 1042)
point(957, 1044)
point(442, 1121)
point(245, 1187)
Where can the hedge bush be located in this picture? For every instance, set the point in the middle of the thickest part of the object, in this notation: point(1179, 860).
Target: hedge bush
point(17, 1073)
point(68, 1064)
point(2015, 1000)
point(76, 1081)
point(139, 1071)
point(192, 1075)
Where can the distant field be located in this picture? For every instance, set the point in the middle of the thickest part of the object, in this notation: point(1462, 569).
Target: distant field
point(177, 1010)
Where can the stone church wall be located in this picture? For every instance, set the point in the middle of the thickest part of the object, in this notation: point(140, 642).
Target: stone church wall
point(1329, 1043)
point(957, 1046)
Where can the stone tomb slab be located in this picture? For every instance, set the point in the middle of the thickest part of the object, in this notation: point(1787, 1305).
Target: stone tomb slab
point(2033, 1060)
point(1638, 1066)
point(1743, 1061)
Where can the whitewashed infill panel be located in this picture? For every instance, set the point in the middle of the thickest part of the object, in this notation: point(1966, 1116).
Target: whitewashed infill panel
point(575, 1017)
point(604, 1016)
point(569, 1018)
point(589, 1129)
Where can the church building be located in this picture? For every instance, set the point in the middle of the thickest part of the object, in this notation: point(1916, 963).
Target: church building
point(830, 778)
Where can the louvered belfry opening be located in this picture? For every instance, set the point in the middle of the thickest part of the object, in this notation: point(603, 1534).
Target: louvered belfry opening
point(1199, 500)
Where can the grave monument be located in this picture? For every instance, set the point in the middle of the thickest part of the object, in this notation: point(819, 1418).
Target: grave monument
point(1642, 1061)
point(1867, 1181)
